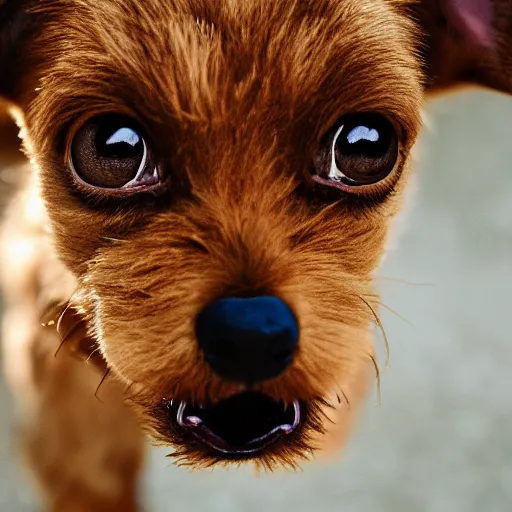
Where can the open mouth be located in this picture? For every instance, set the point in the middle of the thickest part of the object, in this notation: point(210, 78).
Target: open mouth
point(240, 426)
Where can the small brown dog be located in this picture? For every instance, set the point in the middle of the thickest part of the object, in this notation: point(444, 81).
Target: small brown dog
point(210, 190)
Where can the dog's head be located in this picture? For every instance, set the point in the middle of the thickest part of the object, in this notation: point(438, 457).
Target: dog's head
point(220, 178)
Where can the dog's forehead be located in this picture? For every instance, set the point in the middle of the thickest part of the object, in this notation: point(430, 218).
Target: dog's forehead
point(190, 60)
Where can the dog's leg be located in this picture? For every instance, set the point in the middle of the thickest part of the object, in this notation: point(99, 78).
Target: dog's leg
point(85, 452)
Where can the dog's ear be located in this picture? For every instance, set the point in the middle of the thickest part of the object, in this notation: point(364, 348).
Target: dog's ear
point(14, 31)
point(467, 41)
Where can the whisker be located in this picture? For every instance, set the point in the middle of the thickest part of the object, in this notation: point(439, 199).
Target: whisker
point(376, 298)
point(61, 344)
point(68, 335)
point(377, 375)
point(95, 351)
point(403, 281)
point(345, 398)
point(112, 239)
point(105, 375)
point(61, 317)
point(398, 315)
point(380, 325)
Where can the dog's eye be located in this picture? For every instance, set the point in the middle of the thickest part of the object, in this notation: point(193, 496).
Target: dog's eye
point(110, 152)
point(361, 150)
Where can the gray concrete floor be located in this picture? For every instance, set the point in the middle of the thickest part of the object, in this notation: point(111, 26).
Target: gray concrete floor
point(441, 440)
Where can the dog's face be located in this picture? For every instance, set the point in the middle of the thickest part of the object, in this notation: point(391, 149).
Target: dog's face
point(221, 177)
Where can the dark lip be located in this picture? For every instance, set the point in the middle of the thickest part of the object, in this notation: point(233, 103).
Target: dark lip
point(197, 421)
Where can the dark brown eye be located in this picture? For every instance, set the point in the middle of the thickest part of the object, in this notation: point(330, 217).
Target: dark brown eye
point(361, 150)
point(110, 152)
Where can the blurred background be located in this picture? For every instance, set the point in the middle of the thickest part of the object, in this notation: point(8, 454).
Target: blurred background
point(441, 438)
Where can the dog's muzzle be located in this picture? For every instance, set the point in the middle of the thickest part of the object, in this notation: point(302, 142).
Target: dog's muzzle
point(247, 341)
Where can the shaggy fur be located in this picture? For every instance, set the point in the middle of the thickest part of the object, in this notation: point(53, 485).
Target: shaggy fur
point(236, 95)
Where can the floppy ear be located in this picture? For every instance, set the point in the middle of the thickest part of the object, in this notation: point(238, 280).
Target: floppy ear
point(467, 41)
point(14, 28)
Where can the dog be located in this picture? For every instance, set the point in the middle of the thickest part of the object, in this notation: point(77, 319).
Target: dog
point(209, 189)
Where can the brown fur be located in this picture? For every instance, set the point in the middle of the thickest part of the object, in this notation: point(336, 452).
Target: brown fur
point(236, 96)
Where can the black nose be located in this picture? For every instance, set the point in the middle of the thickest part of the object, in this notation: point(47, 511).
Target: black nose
point(248, 340)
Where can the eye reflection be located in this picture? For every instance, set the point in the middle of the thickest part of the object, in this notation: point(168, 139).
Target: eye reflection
point(360, 133)
point(124, 135)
